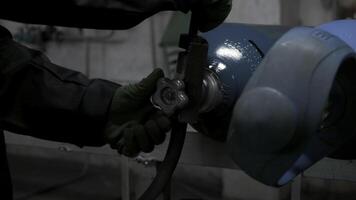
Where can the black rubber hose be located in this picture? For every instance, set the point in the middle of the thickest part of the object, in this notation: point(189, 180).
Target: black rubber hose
point(167, 167)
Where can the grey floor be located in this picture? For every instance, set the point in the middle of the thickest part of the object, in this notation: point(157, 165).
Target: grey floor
point(60, 178)
point(55, 179)
point(55, 175)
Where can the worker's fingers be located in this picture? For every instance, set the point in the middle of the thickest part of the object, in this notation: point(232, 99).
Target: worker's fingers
point(114, 133)
point(111, 131)
point(145, 88)
point(145, 113)
point(163, 123)
point(154, 131)
point(132, 137)
point(119, 146)
point(131, 147)
point(143, 140)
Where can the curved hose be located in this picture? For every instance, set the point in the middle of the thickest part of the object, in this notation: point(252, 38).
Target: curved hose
point(166, 169)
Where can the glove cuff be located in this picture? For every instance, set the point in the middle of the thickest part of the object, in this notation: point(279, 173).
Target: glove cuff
point(95, 109)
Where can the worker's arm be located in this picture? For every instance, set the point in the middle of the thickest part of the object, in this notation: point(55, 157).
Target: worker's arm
point(44, 100)
point(108, 14)
point(41, 99)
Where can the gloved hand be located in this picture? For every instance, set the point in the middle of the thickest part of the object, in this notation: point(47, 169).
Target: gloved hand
point(134, 124)
point(211, 12)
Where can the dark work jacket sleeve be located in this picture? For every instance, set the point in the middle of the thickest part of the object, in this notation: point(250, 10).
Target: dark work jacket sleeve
point(99, 14)
point(41, 99)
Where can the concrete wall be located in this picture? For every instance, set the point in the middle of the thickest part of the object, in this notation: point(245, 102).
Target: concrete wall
point(123, 56)
point(256, 12)
point(315, 12)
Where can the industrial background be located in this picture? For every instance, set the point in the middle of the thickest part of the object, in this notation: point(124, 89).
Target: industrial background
point(48, 170)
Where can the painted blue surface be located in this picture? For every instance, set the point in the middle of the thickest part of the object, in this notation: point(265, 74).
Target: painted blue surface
point(299, 166)
point(344, 29)
point(235, 51)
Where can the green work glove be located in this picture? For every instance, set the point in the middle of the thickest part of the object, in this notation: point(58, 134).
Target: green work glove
point(211, 12)
point(134, 124)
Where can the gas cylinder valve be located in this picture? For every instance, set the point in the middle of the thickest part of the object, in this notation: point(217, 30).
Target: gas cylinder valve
point(170, 96)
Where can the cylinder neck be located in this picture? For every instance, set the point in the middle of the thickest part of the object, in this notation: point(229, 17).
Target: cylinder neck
point(212, 95)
